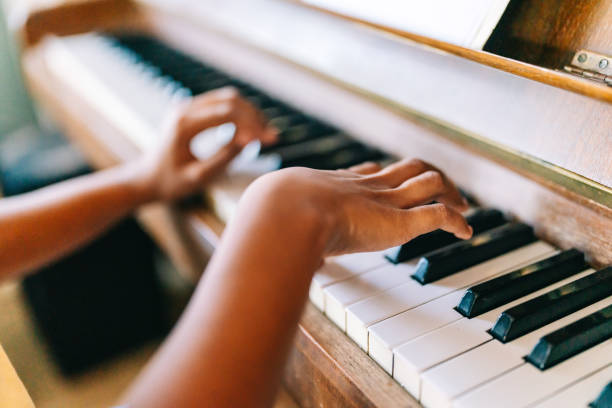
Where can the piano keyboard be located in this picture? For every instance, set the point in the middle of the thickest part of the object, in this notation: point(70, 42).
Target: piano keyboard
point(502, 320)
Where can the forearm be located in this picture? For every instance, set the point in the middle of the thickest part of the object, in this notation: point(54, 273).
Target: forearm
point(41, 226)
point(242, 318)
point(231, 343)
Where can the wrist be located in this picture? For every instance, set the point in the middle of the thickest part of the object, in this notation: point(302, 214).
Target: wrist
point(141, 180)
point(286, 198)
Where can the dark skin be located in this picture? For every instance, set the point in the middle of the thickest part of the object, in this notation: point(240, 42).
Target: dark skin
point(230, 345)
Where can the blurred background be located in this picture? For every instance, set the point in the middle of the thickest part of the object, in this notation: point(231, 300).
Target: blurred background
point(15, 108)
point(55, 373)
point(77, 331)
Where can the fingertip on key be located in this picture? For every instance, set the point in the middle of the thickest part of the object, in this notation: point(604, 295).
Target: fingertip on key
point(466, 235)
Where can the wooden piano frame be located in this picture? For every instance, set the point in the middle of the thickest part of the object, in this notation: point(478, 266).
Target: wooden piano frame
point(326, 368)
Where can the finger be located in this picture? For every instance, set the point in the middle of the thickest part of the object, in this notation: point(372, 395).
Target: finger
point(269, 136)
point(195, 120)
point(416, 191)
point(200, 172)
point(398, 172)
point(219, 107)
point(425, 188)
point(365, 168)
point(424, 219)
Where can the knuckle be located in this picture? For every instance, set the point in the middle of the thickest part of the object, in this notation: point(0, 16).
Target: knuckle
point(230, 96)
point(182, 121)
point(443, 213)
point(415, 162)
point(380, 195)
point(435, 177)
point(233, 103)
point(226, 108)
point(418, 163)
point(230, 93)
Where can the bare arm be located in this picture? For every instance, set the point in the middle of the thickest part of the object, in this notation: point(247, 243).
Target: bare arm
point(229, 347)
point(41, 226)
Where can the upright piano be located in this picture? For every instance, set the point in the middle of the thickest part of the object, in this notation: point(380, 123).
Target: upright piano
point(520, 315)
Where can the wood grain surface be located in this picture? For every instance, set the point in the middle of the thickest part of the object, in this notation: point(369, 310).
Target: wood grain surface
point(77, 17)
point(549, 32)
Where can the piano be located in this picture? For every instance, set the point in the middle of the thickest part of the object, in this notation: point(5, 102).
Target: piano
point(518, 316)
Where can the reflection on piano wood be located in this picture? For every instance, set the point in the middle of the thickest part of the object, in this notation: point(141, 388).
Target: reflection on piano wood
point(451, 322)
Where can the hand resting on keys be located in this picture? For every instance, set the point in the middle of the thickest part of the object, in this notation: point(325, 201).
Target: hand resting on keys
point(230, 346)
point(41, 226)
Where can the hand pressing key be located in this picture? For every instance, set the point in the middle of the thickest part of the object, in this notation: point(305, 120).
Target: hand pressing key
point(231, 344)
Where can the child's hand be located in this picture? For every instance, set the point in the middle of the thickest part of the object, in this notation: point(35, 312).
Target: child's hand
point(365, 208)
point(173, 172)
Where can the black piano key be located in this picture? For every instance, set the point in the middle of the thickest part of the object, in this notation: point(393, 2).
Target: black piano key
point(285, 122)
point(294, 127)
point(303, 154)
point(262, 101)
point(511, 286)
point(446, 261)
point(604, 400)
point(275, 111)
point(537, 312)
point(299, 134)
point(572, 339)
point(469, 197)
point(481, 220)
point(345, 158)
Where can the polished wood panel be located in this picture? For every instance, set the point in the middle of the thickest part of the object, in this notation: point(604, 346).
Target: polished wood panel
point(326, 369)
point(77, 17)
point(549, 32)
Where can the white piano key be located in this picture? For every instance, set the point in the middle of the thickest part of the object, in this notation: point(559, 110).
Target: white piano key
point(580, 394)
point(361, 262)
point(412, 358)
point(416, 356)
point(447, 381)
point(340, 268)
point(413, 323)
point(65, 64)
point(342, 294)
point(364, 314)
point(527, 385)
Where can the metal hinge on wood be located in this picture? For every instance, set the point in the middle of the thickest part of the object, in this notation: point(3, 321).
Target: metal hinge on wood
point(591, 65)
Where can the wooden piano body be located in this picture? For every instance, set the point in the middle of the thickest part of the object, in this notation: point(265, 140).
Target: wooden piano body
point(525, 138)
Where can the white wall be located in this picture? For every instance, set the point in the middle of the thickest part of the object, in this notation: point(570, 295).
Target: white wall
point(15, 108)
